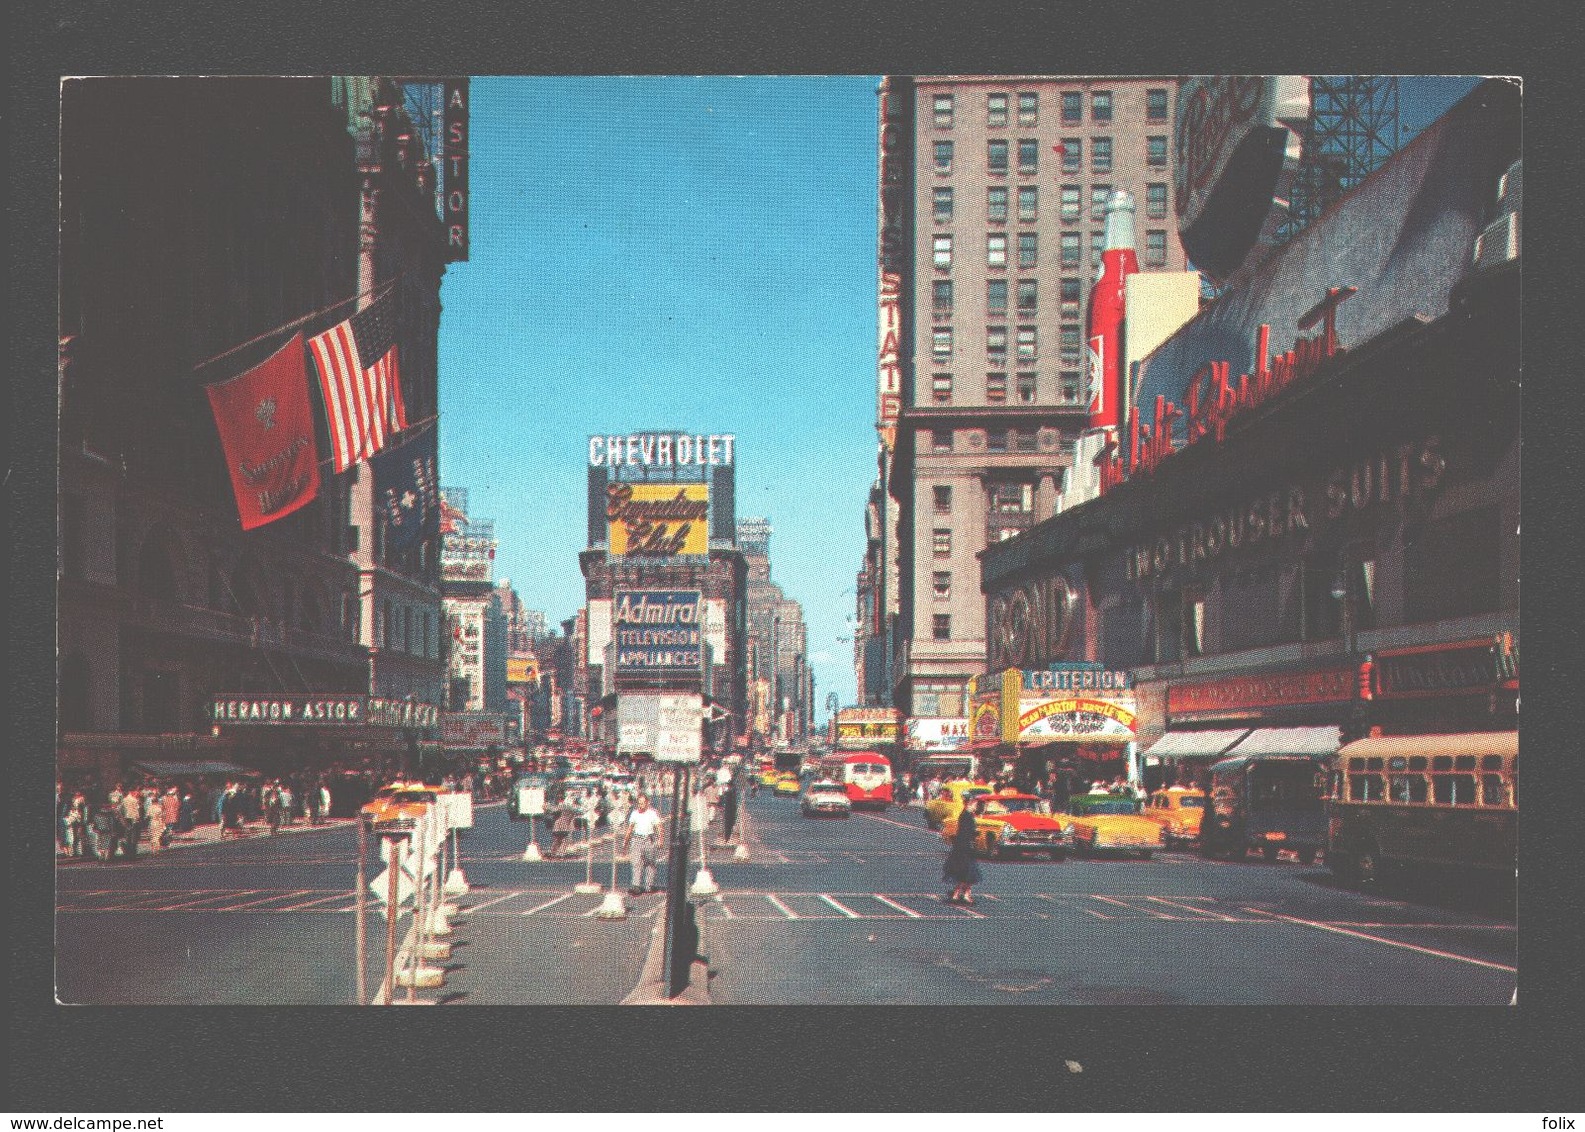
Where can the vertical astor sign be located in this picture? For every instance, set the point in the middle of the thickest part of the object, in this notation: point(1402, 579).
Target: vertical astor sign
point(455, 174)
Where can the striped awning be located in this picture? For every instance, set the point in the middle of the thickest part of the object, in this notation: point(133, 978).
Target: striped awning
point(1193, 744)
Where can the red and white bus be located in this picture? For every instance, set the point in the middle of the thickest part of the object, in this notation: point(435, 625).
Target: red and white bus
point(867, 776)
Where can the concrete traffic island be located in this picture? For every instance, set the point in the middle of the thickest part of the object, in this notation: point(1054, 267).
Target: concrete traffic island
point(651, 989)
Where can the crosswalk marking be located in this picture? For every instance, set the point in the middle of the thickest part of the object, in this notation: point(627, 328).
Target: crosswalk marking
point(893, 904)
point(547, 904)
point(843, 908)
point(786, 911)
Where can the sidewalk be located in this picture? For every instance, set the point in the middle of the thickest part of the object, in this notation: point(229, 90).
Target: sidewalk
point(210, 834)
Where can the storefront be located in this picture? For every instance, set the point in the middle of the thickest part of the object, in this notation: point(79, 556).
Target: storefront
point(280, 734)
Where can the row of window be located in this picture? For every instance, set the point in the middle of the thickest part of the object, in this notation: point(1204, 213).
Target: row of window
point(401, 629)
point(1001, 439)
point(943, 107)
point(999, 152)
point(1069, 251)
point(999, 198)
point(1069, 353)
point(1003, 498)
point(1025, 387)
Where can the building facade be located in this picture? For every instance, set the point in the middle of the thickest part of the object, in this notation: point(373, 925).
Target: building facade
point(292, 192)
point(1318, 538)
point(777, 645)
point(998, 229)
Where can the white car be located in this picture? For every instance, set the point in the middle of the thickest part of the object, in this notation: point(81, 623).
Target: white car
point(825, 798)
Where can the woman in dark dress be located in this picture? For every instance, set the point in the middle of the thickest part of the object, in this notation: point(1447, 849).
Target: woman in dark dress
point(961, 867)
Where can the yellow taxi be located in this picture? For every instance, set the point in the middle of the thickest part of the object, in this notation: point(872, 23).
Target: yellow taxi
point(769, 776)
point(950, 800)
point(1112, 823)
point(1011, 824)
point(787, 783)
point(397, 808)
point(1178, 810)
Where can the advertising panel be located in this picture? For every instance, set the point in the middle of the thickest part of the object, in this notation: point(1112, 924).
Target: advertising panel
point(472, 730)
point(1075, 719)
point(657, 632)
point(937, 734)
point(657, 520)
point(896, 132)
point(866, 727)
point(320, 711)
point(522, 670)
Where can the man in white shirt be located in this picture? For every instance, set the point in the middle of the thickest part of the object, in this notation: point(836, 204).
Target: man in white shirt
point(642, 841)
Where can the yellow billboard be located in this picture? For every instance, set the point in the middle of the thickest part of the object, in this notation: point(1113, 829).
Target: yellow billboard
point(522, 670)
point(658, 520)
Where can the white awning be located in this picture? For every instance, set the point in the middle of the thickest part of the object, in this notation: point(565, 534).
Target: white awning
point(1465, 743)
point(1313, 741)
point(1193, 744)
point(166, 768)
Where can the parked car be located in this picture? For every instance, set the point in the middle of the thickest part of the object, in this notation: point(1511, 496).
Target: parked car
point(1011, 824)
point(826, 798)
point(1112, 823)
point(950, 801)
point(1178, 810)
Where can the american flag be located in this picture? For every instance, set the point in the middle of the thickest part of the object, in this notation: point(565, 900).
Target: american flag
point(361, 380)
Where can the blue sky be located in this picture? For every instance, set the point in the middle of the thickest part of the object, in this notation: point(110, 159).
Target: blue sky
point(690, 253)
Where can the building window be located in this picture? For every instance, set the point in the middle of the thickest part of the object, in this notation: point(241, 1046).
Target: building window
point(1156, 105)
point(1013, 498)
point(1156, 200)
point(1097, 246)
point(1155, 248)
point(939, 701)
point(941, 200)
point(1028, 156)
point(942, 494)
point(1156, 150)
point(941, 542)
point(996, 343)
point(1072, 154)
point(1026, 388)
point(996, 110)
point(941, 439)
point(1098, 196)
point(1070, 249)
point(1194, 642)
point(941, 343)
point(996, 249)
point(943, 156)
point(941, 296)
point(1027, 249)
point(996, 204)
point(996, 296)
point(1070, 202)
point(1028, 109)
point(943, 111)
point(941, 626)
point(996, 155)
point(941, 388)
point(1100, 155)
point(1070, 345)
point(996, 440)
point(1101, 106)
point(1028, 202)
point(1070, 386)
point(1072, 107)
point(941, 584)
point(996, 387)
point(1070, 297)
point(1028, 348)
point(943, 252)
point(1028, 298)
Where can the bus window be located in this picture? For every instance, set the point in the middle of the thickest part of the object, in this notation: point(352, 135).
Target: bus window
point(1455, 789)
point(1365, 788)
point(1417, 762)
point(1491, 790)
point(1408, 788)
point(1491, 762)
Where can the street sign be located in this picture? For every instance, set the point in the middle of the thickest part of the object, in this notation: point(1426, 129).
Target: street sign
point(381, 885)
point(679, 720)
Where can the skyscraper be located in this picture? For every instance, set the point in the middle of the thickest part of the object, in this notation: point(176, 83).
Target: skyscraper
point(993, 201)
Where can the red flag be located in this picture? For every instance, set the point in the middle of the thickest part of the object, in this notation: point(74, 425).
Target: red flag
point(267, 432)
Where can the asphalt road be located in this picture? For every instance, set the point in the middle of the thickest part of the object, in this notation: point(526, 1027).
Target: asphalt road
point(844, 911)
point(271, 921)
point(850, 911)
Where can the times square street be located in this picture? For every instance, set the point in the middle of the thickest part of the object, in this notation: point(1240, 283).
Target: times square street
point(822, 911)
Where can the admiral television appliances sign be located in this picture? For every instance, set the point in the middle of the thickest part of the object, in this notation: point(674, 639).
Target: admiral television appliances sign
point(658, 631)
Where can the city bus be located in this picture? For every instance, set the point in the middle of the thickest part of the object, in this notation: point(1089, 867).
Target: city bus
point(867, 776)
point(1419, 804)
